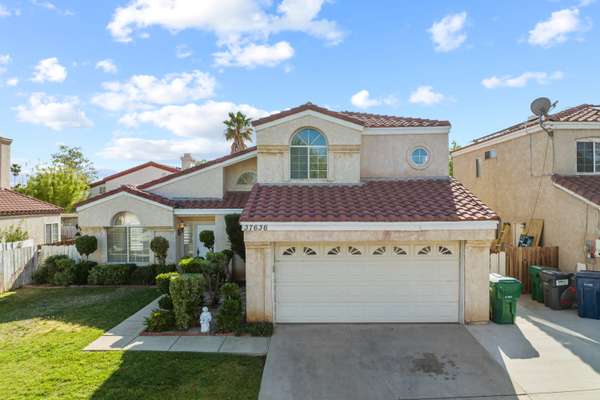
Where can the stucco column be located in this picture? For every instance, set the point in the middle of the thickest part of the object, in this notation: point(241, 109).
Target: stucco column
point(477, 269)
point(259, 285)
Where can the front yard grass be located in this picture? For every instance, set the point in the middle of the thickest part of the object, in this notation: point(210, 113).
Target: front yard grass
point(43, 332)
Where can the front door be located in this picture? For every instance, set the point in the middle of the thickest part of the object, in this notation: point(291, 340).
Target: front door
point(201, 250)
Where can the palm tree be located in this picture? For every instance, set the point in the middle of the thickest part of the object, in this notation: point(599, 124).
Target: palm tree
point(239, 130)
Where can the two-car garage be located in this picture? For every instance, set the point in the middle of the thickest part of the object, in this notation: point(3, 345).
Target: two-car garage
point(367, 282)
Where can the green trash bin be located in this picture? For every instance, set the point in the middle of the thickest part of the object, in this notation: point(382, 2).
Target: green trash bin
point(504, 295)
point(537, 286)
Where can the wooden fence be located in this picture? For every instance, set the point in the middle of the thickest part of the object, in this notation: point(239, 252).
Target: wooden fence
point(19, 260)
point(515, 261)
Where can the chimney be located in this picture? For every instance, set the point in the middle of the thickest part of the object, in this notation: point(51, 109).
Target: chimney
point(187, 161)
point(5, 163)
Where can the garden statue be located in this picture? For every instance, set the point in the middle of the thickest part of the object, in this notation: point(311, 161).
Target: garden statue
point(205, 319)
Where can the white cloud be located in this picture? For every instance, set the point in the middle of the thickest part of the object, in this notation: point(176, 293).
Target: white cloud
point(4, 12)
point(5, 59)
point(254, 55)
point(141, 91)
point(49, 70)
point(51, 7)
point(134, 148)
point(557, 28)
point(522, 80)
point(52, 112)
point(426, 95)
point(12, 82)
point(107, 65)
point(183, 51)
point(198, 120)
point(448, 33)
point(363, 99)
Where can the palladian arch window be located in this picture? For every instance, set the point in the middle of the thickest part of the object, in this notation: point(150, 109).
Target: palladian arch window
point(308, 155)
point(127, 241)
point(247, 178)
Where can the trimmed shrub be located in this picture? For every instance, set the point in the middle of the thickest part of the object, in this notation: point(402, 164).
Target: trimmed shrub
point(142, 276)
point(160, 321)
point(81, 271)
point(163, 281)
point(230, 315)
point(235, 234)
point(161, 269)
point(64, 276)
point(262, 329)
point(160, 246)
point(86, 245)
point(50, 266)
point(215, 273)
point(165, 302)
point(40, 276)
point(110, 274)
point(187, 295)
point(208, 239)
point(191, 265)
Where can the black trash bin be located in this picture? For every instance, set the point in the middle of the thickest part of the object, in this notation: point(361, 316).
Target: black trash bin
point(555, 283)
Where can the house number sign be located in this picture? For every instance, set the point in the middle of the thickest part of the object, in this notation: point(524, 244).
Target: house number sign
point(255, 228)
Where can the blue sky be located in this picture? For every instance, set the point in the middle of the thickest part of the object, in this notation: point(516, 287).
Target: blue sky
point(130, 81)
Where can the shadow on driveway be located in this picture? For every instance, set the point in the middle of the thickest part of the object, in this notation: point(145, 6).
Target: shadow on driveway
point(380, 361)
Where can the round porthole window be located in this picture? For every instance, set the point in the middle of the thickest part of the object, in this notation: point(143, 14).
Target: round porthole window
point(419, 157)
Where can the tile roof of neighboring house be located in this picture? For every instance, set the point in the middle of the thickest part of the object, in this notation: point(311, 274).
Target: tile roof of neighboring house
point(427, 199)
point(230, 199)
point(359, 118)
point(196, 168)
point(134, 169)
point(14, 203)
point(580, 113)
point(586, 186)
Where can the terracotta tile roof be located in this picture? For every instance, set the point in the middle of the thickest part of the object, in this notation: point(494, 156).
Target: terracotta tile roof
point(428, 199)
point(229, 200)
point(580, 113)
point(14, 203)
point(196, 168)
point(359, 118)
point(586, 186)
point(134, 169)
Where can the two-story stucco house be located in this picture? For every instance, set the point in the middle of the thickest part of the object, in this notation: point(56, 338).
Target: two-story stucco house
point(348, 217)
point(523, 172)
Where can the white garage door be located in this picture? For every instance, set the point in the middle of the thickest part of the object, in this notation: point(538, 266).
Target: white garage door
point(385, 282)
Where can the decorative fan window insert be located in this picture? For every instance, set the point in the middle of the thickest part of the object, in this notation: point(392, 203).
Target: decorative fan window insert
point(353, 251)
point(309, 252)
point(424, 251)
point(444, 251)
point(247, 178)
point(379, 251)
point(336, 251)
point(290, 251)
point(399, 251)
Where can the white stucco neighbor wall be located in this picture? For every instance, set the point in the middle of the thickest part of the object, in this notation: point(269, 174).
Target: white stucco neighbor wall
point(201, 184)
point(35, 225)
point(135, 178)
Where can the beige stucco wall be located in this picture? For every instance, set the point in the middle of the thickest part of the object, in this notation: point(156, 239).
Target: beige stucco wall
point(509, 185)
point(388, 155)
point(102, 212)
point(204, 183)
point(233, 172)
point(273, 149)
point(5, 163)
point(34, 225)
point(135, 178)
point(260, 261)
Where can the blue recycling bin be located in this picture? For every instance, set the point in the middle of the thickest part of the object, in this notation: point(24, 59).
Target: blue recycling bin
point(588, 294)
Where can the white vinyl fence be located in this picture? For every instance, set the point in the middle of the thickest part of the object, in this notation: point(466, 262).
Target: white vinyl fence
point(498, 263)
point(19, 260)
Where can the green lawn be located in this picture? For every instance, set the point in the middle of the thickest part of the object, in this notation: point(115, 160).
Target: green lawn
point(43, 332)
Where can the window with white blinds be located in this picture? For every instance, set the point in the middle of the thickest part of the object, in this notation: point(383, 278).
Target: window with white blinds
point(51, 233)
point(188, 240)
point(128, 245)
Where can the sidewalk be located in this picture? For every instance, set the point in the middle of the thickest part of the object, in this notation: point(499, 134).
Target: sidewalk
point(126, 336)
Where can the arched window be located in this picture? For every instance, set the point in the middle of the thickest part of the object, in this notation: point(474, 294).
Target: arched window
point(127, 241)
point(308, 155)
point(247, 178)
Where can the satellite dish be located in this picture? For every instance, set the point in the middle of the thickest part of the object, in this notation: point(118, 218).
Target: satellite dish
point(541, 106)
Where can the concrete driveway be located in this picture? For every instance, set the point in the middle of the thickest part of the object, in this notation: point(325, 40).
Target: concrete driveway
point(427, 361)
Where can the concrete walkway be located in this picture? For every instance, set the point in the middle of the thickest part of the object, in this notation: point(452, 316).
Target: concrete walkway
point(126, 336)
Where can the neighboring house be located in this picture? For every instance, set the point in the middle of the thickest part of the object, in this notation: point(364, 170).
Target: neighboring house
point(39, 219)
point(133, 176)
point(353, 219)
point(523, 173)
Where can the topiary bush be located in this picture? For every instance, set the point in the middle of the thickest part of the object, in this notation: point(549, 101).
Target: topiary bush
point(214, 271)
point(230, 315)
point(187, 292)
point(160, 321)
point(64, 275)
point(143, 276)
point(165, 302)
point(110, 274)
point(86, 245)
point(208, 239)
point(81, 271)
point(163, 281)
point(45, 273)
point(235, 234)
point(191, 265)
point(161, 269)
point(160, 246)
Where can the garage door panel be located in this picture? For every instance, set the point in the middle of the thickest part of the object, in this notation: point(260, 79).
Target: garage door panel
point(367, 288)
